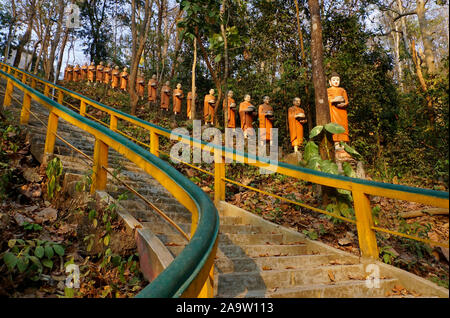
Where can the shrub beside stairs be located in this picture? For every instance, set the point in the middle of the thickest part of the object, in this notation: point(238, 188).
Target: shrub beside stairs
point(255, 258)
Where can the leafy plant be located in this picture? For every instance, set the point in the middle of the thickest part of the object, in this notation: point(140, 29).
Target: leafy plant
point(31, 226)
point(387, 255)
point(311, 234)
point(53, 171)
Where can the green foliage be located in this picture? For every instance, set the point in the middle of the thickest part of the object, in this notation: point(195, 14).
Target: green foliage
point(53, 171)
point(31, 226)
point(31, 257)
point(387, 255)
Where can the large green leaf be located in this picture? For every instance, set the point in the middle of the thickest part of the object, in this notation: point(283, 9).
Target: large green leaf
point(315, 131)
point(311, 150)
point(350, 150)
point(314, 163)
point(329, 167)
point(39, 251)
point(348, 170)
point(58, 249)
point(334, 128)
point(10, 260)
point(49, 251)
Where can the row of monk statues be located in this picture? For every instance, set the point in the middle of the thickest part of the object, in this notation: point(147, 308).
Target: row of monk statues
point(248, 113)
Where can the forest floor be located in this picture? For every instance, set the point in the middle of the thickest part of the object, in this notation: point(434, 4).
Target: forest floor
point(430, 262)
point(43, 232)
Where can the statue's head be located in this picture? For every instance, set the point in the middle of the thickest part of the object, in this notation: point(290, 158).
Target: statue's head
point(297, 101)
point(125, 69)
point(116, 67)
point(154, 76)
point(178, 86)
point(78, 65)
point(335, 80)
point(266, 99)
point(230, 93)
point(167, 83)
point(101, 63)
point(247, 97)
point(211, 91)
point(109, 64)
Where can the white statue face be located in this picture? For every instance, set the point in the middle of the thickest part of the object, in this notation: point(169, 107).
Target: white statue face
point(154, 76)
point(297, 101)
point(247, 98)
point(125, 69)
point(167, 83)
point(266, 99)
point(178, 86)
point(335, 81)
point(211, 92)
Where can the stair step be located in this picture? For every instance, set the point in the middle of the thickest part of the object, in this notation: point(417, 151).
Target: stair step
point(261, 250)
point(266, 279)
point(248, 264)
point(342, 289)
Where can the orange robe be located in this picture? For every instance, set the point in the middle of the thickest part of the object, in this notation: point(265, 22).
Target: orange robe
point(246, 117)
point(123, 80)
point(66, 74)
point(189, 104)
point(115, 78)
point(99, 74)
point(338, 114)
point(264, 121)
point(84, 72)
point(208, 108)
point(177, 100)
point(69, 74)
point(107, 75)
point(295, 127)
point(231, 112)
point(91, 73)
point(152, 84)
point(165, 97)
point(140, 86)
point(76, 73)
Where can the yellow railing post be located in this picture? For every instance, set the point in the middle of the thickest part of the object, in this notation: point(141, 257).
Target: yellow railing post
point(99, 174)
point(8, 93)
point(113, 123)
point(82, 108)
point(219, 175)
point(24, 78)
point(33, 82)
point(154, 143)
point(47, 90)
point(364, 223)
point(26, 105)
point(60, 97)
point(52, 128)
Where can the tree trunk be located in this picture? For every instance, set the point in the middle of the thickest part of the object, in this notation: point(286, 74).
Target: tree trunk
point(61, 53)
point(193, 88)
point(27, 35)
point(55, 42)
point(425, 34)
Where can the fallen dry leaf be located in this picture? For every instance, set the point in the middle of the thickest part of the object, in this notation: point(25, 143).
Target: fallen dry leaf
point(331, 275)
point(266, 268)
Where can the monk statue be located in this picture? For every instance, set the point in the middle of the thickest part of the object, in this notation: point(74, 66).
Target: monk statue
point(296, 119)
point(115, 74)
point(84, 70)
point(265, 115)
point(246, 113)
point(69, 73)
point(140, 85)
point(91, 73)
point(76, 73)
point(230, 105)
point(177, 98)
point(152, 86)
point(208, 107)
point(165, 96)
point(338, 102)
point(66, 73)
point(124, 79)
point(107, 74)
point(189, 104)
point(99, 74)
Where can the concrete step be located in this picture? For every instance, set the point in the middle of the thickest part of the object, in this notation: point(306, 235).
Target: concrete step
point(288, 278)
point(248, 264)
point(261, 250)
point(149, 216)
point(263, 238)
point(230, 220)
point(342, 289)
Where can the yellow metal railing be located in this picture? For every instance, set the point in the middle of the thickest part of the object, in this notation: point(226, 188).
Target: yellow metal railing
point(360, 189)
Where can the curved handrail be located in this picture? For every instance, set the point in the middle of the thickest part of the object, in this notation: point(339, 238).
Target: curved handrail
point(181, 273)
point(359, 187)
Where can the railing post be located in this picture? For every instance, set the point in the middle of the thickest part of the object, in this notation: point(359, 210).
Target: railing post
point(364, 223)
point(219, 174)
point(24, 78)
point(47, 90)
point(99, 175)
point(52, 128)
point(33, 82)
point(113, 123)
point(154, 143)
point(60, 97)
point(26, 105)
point(82, 108)
point(8, 93)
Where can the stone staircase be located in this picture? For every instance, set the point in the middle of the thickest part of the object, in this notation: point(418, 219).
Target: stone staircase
point(255, 258)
